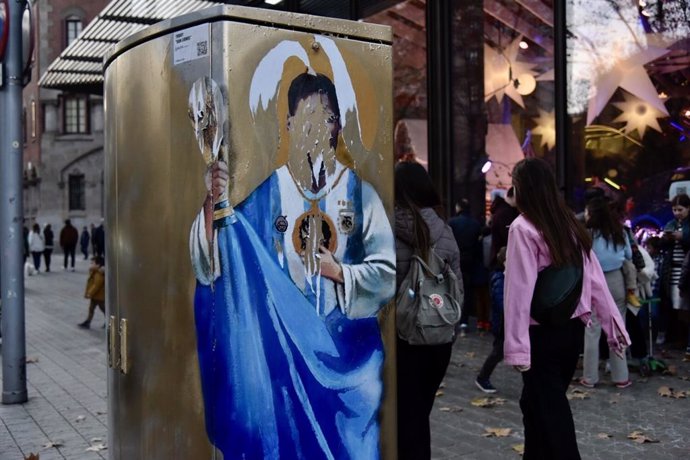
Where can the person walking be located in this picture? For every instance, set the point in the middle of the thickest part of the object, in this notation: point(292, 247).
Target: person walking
point(36, 246)
point(26, 232)
point(419, 227)
point(48, 239)
point(95, 290)
point(547, 234)
point(504, 212)
point(611, 248)
point(69, 236)
point(467, 232)
point(99, 241)
point(84, 242)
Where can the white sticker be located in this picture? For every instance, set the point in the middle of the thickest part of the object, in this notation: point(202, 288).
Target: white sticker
point(190, 44)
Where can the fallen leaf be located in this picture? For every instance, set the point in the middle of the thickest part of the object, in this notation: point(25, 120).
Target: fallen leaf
point(519, 448)
point(488, 402)
point(669, 392)
point(640, 438)
point(80, 418)
point(51, 444)
point(577, 393)
point(442, 385)
point(32, 359)
point(497, 432)
point(439, 393)
point(665, 391)
point(645, 439)
point(470, 354)
point(31, 457)
point(671, 370)
point(685, 377)
point(96, 447)
point(604, 436)
point(99, 412)
point(94, 440)
point(451, 409)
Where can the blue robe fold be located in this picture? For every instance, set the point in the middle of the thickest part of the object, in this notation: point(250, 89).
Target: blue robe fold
point(278, 380)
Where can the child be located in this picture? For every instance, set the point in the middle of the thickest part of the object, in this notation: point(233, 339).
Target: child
point(655, 250)
point(483, 381)
point(95, 289)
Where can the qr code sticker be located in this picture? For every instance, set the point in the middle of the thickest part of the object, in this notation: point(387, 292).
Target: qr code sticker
point(202, 48)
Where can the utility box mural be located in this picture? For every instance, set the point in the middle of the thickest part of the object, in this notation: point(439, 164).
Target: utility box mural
point(251, 255)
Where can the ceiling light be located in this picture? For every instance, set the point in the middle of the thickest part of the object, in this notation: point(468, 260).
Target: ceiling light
point(273, 2)
point(486, 166)
point(524, 45)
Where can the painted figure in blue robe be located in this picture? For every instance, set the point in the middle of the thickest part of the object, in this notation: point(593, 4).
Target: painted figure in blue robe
point(287, 296)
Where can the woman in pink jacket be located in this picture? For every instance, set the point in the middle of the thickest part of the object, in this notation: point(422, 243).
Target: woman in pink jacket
point(547, 233)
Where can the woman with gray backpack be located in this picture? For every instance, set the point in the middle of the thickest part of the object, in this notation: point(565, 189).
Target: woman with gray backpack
point(428, 302)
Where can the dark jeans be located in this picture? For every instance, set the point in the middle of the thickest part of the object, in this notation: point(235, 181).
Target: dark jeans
point(46, 256)
point(495, 357)
point(469, 300)
point(549, 427)
point(638, 349)
point(85, 251)
point(37, 259)
point(92, 307)
point(420, 371)
point(69, 252)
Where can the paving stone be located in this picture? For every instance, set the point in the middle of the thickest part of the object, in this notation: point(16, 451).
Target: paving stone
point(69, 379)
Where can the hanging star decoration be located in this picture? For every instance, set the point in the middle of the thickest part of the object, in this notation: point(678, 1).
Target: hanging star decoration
point(638, 115)
point(502, 70)
point(546, 128)
point(627, 72)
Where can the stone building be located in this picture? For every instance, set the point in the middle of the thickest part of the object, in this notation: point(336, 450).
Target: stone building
point(63, 131)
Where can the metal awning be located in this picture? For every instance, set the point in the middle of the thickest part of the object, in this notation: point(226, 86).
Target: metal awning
point(79, 67)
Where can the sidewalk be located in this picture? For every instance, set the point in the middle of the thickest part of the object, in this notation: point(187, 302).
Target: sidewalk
point(67, 394)
point(67, 382)
point(604, 416)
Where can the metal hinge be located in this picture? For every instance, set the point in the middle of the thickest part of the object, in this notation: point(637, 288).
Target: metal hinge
point(118, 350)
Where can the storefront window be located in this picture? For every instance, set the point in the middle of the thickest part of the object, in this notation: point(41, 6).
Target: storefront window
point(629, 66)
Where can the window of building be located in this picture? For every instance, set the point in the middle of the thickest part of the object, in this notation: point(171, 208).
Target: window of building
point(77, 192)
point(75, 115)
point(33, 119)
point(72, 29)
point(24, 125)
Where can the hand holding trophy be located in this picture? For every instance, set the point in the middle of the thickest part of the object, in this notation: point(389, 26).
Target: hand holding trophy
point(208, 117)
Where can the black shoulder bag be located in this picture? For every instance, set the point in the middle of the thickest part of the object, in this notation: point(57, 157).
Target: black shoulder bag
point(556, 294)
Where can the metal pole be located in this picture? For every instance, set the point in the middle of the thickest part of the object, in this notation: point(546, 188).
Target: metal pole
point(563, 123)
point(11, 217)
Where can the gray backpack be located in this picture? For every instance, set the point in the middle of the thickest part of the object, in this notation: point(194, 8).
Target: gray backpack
point(429, 302)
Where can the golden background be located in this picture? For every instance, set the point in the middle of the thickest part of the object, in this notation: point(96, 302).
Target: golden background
point(155, 188)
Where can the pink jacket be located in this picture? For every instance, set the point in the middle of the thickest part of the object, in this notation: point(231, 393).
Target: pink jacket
point(528, 254)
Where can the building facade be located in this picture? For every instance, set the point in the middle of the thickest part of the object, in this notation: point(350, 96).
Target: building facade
point(63, 131)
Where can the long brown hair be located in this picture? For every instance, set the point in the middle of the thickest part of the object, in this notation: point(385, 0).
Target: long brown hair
point(539, 200)
point(414, 191)
point(603, 222)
